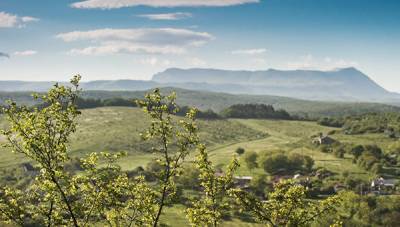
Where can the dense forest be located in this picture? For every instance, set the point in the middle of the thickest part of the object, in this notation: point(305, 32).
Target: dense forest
point(366, 123)
point(255, 111)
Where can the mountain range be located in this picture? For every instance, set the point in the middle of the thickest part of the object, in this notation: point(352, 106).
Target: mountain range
point(347, 84)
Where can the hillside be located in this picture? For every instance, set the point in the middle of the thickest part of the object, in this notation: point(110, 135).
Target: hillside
point(219, 101)
point(340, 85)
point(118, 129)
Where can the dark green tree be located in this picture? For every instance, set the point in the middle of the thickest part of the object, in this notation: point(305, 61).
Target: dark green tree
point(250, 159)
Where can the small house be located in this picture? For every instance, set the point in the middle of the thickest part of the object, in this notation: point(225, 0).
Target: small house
point(27, 167)
point(339, 187)
point(381, 183)
point(323, 140)
point(242, 182)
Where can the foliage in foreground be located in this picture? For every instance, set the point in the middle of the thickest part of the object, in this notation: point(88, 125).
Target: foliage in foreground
point(287, 205)
point(101, 193)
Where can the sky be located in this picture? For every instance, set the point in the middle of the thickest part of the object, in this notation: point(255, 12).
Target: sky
point(134, 39)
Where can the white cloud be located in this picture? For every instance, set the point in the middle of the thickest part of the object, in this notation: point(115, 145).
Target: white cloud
point(339, 63)
point(328, 63)
point(25, 53)
point(305, 62)
point(144, 40)
point(260, 61)
point(29, 19)
point(9, 20)
point(112, 4)
point(196, 62)
point(153, 61)
point(167, 16)
point(250, 51)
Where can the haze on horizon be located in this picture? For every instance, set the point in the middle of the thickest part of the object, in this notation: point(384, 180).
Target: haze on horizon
point(134, 39)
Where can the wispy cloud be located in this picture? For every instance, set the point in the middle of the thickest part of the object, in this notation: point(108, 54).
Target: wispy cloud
point(250, 51)
point(196, 62)
point(112, 4)
point(260, 61)
point(25, 53)
point(154, 61)
point(310, 62)
point(8, 20)
point(144, 40)
point(29, 19)
point(167, 16)
point(4, 55)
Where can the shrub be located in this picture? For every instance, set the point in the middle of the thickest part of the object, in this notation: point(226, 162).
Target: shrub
point(250, 159)
point(239, 150)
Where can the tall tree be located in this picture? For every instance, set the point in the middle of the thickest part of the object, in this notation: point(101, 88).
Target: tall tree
point(100, 193)
point(208, 210)
point(174, 141)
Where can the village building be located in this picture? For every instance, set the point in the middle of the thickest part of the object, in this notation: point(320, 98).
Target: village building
point(383, 184)
point(323, 140)
point(242, 182)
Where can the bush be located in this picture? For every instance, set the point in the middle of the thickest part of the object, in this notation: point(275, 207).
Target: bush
point(331, 122)
point(259, 185)
point(189, 179)
point(273, 163)
point(250, 159)
point(239, 151)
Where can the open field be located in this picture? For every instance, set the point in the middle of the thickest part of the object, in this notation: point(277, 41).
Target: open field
point(118, 129)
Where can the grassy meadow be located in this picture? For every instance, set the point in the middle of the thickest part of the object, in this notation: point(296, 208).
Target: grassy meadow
point(118, 129)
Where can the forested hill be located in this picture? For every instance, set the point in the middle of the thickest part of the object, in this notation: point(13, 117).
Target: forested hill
point(220, 101)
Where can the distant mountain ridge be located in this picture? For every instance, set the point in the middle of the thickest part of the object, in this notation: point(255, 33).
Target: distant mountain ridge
point(348, 84)
point(106, 85)
point(336, 85)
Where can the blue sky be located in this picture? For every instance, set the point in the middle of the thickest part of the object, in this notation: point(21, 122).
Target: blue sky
point(133, 39)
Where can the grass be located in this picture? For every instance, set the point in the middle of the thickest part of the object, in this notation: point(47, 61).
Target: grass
point(287, 136)
point(118, 128)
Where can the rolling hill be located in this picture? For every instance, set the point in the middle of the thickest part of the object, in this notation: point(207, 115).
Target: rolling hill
point(218, 101)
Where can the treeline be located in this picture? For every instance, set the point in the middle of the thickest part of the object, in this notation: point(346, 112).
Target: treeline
point(95, 103)
point(388, 123)
point(259, 111)
point(369, 157)
point(246, 111)
point(207, 114)
point(374, 123)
